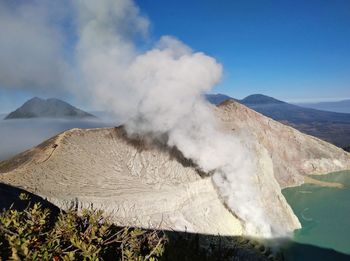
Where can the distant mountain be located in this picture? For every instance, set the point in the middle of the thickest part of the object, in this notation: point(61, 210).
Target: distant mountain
point(330, 126)
point(259, 99)
point(283, 111)
point(49, 108)
point(337, 106)
point(253, 99)
point(217, 98)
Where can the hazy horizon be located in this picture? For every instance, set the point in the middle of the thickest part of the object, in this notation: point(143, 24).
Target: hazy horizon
point(18, 135)
point(20, 102)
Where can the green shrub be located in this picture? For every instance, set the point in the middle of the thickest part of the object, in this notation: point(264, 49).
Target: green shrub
point(33, 234)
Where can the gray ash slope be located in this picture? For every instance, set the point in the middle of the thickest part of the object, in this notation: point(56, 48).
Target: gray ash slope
point(47, 108)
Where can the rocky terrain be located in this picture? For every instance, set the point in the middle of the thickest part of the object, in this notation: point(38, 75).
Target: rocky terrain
point(294, 154)
point(146, 184)
point(330, 126)
point(49, 108)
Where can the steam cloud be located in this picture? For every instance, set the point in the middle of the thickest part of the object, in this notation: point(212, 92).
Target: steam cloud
point(160, 92)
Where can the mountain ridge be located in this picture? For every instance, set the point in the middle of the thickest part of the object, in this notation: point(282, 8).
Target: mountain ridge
point(260, 99)
point(333, 127)
point(217, 98)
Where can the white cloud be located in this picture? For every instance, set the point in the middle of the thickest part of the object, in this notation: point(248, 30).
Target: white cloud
point(30, 46)
point(159, 93)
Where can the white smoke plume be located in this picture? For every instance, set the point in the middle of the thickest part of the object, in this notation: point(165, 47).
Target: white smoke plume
point(161, 92)
point(158, 92)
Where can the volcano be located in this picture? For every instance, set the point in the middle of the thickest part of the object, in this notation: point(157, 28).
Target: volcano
point(49, 108)
point(143, 183)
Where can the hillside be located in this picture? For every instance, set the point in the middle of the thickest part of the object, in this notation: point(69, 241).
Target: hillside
point(282, 111)
point(148, 185)
point(49, 108)
point(293, 153)
point(329, 126)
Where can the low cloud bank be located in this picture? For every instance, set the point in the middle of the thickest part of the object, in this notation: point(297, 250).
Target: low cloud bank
point(22, 134)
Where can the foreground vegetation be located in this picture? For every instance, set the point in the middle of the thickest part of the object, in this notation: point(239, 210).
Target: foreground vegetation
point(35, 234)
point(31, 231)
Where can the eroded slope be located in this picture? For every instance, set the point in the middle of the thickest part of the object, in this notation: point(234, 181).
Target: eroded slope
point(294, 154)
point(139, 184)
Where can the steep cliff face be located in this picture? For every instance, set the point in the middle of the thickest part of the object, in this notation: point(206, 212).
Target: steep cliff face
point(145, 184)
point(294, 154)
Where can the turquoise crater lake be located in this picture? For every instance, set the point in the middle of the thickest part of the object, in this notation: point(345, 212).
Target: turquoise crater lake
point(324, 213)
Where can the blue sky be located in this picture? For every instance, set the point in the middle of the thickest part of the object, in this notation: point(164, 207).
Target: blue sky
point(292, 50)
